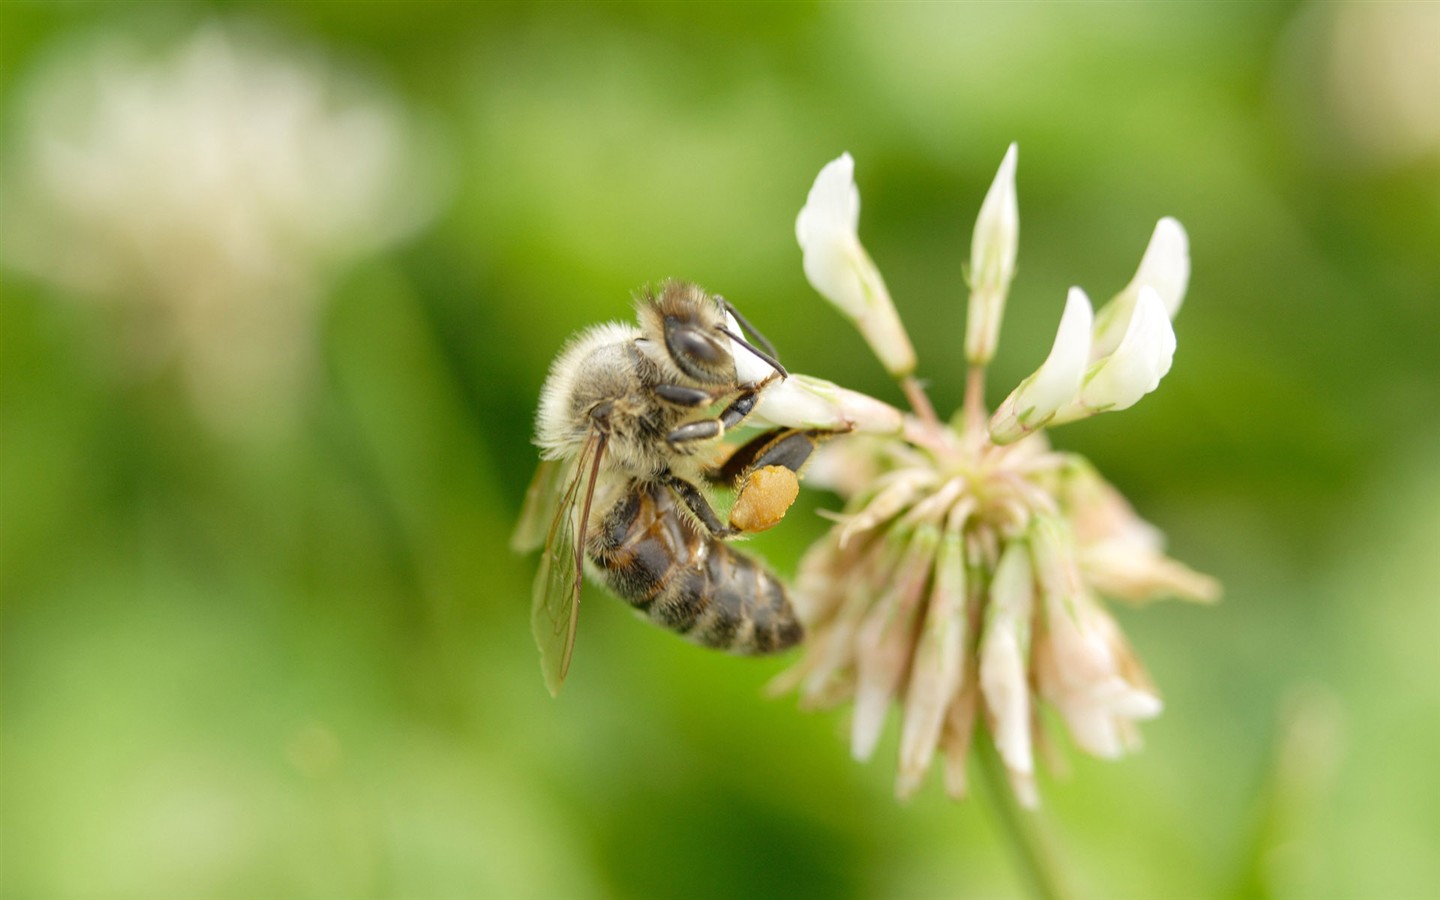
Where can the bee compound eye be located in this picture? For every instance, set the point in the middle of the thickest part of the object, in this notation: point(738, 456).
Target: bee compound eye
point(690, 344)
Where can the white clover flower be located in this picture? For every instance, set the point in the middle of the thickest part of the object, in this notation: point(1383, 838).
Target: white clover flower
point(838, 267)
point(1120, 358)
point(215, 189)
point(803, 401)
point(963, 581)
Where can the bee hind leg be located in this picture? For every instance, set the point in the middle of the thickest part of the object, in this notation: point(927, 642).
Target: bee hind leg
point(788, 448)
point(766, 475)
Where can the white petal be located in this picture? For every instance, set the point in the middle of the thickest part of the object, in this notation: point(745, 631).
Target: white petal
point(997, 229)
point(1138, 364)
point(1057, 381)
point(827, 229)
point(1120, 569)
point(749, 368)
point(872, 702)
point(1002, 679)
point(993, 248)
point(1003, 651)
point(955, 739)
point(838, 267)
point(793, 403)
point(1085, 668)
point(833, 204)
point(801, 401)
point(937, 670)
point(1119, 380)
point(1165, 267)
point(884, 645)
point(830, 266)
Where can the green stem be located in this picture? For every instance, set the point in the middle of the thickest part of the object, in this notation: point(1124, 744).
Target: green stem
point(1026, 845)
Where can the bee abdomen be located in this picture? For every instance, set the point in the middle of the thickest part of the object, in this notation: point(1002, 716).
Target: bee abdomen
point(748, 611)
point(690, 584)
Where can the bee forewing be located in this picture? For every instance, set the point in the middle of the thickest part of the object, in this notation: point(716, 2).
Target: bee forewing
point(541, 499)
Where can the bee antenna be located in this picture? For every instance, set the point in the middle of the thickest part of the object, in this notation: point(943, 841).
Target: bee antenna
point(769, 360)
point(745, 326)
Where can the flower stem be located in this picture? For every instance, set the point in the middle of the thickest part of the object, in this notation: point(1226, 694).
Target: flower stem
point(919, 401)
point(975, 401)
point(1028, 848)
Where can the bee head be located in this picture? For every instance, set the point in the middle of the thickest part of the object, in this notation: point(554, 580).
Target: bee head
point(690, 325)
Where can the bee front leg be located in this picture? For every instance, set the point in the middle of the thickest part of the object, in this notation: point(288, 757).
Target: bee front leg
point(703, 430)
point(681, 395)
point(709, 429)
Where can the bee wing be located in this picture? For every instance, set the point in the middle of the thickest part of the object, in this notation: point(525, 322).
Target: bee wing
point(541, 498)
point(556, 598)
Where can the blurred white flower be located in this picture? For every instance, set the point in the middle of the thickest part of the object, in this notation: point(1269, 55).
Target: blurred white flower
point(838, 267)
point(1361, 81)
point(993, 249)
point(214, 188)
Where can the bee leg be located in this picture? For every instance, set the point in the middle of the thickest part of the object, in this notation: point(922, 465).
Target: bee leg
point(695, 432)
point(680, 395)
point(742, 406)
point(710, 429)
point(695, 500)
point(766, 475)
point(789, 448)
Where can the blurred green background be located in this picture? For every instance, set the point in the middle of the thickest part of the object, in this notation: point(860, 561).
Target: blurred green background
point(293, 659)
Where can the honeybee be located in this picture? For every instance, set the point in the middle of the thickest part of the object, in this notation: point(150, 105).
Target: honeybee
point(628, 431)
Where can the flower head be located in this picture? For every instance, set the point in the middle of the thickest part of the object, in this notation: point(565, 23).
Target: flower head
point(963, 581)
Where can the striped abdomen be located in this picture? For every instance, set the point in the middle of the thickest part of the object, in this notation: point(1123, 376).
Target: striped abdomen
point(651, 556)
